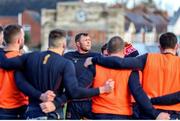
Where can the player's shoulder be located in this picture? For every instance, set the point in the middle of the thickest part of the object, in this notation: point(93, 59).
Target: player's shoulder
point(93, 54)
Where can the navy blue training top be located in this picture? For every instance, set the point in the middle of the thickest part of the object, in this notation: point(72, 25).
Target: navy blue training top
point(78, 60)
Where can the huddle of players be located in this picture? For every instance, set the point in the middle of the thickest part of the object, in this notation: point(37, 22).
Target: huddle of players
point(143, 87)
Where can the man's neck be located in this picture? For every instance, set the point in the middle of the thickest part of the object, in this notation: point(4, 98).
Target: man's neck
point(11, 48)
point(172, 51)
point(82, 52)
point(121, 55)
point(57, 50)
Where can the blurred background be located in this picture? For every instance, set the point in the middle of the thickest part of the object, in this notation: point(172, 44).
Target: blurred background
point(139, 22)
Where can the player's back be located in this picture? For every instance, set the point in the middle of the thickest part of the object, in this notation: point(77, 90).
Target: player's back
point(44, 70)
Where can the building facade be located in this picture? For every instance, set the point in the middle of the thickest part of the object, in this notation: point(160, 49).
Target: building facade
point(100, 21)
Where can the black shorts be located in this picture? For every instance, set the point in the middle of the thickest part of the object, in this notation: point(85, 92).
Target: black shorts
point(79, 110)
point(15, 113)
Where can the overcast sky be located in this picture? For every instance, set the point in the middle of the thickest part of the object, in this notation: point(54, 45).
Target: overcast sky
point(169, 5)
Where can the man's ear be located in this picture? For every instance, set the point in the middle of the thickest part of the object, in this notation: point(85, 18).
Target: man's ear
point(18, 41)
point(177, 47)
point(77, 44)
point(64, 45)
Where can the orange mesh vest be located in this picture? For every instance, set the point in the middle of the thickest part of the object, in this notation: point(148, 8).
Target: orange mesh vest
point(117, 102)
point(161, 76)
point(10, 95)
